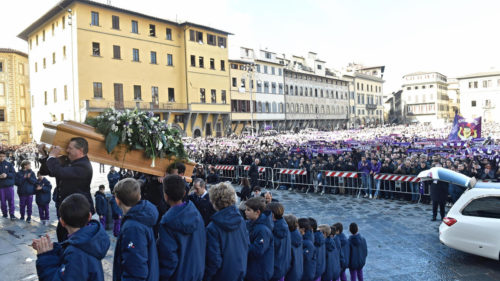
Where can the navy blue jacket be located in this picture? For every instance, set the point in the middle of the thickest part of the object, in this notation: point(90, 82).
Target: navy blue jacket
point(136, 257)
point(25, 186)
point(261, 252)
point(116, 212)
point(7, 168)
point(42, 197)
point(297, 260)
point(77, 258)
point(332, 271)
point(227, 246)
point(113, 178)
point(282, 248)
point(310, 256)
point(345, 250)
point(319, 243)
point(101, 204)
point(359, 251)
point(182, 244)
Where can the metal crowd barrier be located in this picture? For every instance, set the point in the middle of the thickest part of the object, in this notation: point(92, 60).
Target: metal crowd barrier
point(336, 182)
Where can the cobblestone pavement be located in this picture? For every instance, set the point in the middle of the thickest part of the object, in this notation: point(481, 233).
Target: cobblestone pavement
point(403, 243)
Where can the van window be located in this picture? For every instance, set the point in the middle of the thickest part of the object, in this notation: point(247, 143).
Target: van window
point(486, 207)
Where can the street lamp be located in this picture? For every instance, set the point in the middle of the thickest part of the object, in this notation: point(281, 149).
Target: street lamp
point(250, 68)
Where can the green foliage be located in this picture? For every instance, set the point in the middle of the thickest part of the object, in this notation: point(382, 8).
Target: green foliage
point(139, 130)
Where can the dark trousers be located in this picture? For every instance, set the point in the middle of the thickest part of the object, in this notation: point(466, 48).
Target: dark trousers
point(441, 208)
point(7, 197)
point(43, 211)
point(62, 233)
point(26, 203)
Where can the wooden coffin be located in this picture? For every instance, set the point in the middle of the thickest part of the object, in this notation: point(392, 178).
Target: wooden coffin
point(60, 134)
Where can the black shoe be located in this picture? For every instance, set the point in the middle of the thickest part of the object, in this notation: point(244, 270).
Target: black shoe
point(13, 218)
point(5, 216)
point(28, 220)
point(433, 219)
point(21, 218)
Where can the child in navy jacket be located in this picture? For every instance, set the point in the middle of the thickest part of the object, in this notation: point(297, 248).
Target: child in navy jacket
point(25, 181)
point(297, 260)
point(79, 257)
point(7, 181)
point(309, 250)
point(282, 242)
point(182, 238)
point(227, 238)
point(261, 253)
point(358, 253)
point(42, 197)
point(135, 257)
point(101, 205)
point(319, 243)
point(344, 250)
point(332, 270)
point(116, 213)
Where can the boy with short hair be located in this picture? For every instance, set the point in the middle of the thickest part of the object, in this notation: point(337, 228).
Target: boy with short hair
point(358, 253)
point(309, 249)
point(79, 257)
point(332, 270)
point(25, 181)
point(116, 213)
point(135, 252)
point(101, 205)
point(42, 197)
point(7, 180)
point(344, 249)
point(319, 243)
point(282, 241)
point(297, 259)
point(261, 251)
point(182, 240)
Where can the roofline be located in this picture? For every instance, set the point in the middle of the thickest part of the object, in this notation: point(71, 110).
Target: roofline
point(62, 5)
point(314, 74)
point(477, 75)
point(12, 51)
point(271, 62)
point(424, 72)
point(240, 61)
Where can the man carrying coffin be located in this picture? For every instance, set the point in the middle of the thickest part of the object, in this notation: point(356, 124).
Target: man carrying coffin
point(72, 176)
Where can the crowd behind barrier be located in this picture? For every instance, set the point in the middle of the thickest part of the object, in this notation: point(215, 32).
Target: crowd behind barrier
point(358, 162)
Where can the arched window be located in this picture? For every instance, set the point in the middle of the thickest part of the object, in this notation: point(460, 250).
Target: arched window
point(281, 107)
point(287, 107)
point(296, 91)
point(327, 109)
point(301, 108)
point(292, 108)
point(259, 106)
point(267, 108)
point(305, 93)
point(316, 109)
point(274, 107)
point(301, 91)
point(307, 108)
point(311, 108)
point(322, 109)
point(316, 92)
point(321, 93)
point(297, 108)
point(291, 90)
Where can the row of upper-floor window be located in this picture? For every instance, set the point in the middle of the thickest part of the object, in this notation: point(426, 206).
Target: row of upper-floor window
point(278, 107)
point(213, 96)
point(54, 25)
point(54, 96)
point(427, 76)
point(441, 87)
point(22, 115)
point(136, 89)
point(53, 59)
point(315, 109)
point(314, 92)
point(20, 67)
point(21, 90)
point(136, 57)
point(262, 87)
point(487, 104)
point(420, 98)
point(368, 88)
point(196, 36)
point(485, 84)
point(315, 78)
point(367, 112)
point(269, 70)
point(201, 63)
point(370, 99)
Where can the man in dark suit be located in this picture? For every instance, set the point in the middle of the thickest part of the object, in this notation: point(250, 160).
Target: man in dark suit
point(201, 200)
point(253, 173)
point(72, 176)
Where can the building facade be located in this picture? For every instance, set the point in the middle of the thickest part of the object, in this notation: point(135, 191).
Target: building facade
point(15, 103)
point(425, 97)
point(86, 57)
point(480, 95)
point(366, 105)
point(453, 96)
point(315, 97)
point(242, 95)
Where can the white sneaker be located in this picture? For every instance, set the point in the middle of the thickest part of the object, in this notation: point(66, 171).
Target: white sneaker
point(371, 196)
point(366, 195)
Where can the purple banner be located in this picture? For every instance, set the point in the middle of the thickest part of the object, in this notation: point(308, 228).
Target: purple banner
point(464, 130)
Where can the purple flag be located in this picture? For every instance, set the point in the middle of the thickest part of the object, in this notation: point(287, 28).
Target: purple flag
point(465, 130)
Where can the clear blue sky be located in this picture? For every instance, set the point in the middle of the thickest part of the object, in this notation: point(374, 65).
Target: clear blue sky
point(454, 37)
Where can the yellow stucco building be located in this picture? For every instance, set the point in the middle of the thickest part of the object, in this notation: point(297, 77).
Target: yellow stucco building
point(15, 120)
point(87, 56)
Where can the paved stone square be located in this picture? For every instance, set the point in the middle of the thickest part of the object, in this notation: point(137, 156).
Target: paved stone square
point(403, 243)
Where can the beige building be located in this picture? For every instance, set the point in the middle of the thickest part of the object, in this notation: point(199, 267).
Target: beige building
point(480, 95)
point(15, 120)
point(366, 105)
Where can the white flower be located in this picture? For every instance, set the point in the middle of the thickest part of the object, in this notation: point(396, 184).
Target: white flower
point(159, 146)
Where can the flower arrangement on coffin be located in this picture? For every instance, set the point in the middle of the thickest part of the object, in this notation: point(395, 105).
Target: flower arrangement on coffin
point(139, 130)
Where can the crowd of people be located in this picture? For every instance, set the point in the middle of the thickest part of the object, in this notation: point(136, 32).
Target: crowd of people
point(403, 150)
